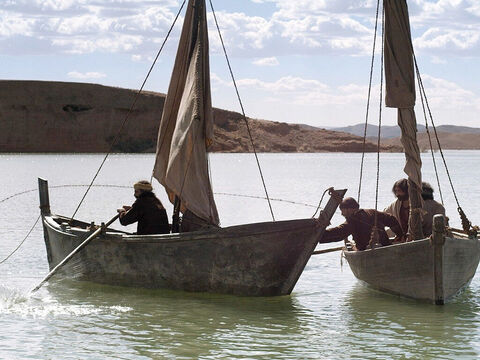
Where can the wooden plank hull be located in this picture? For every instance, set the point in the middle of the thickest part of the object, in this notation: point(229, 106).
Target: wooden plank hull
point(408, 269)
point(263, 259)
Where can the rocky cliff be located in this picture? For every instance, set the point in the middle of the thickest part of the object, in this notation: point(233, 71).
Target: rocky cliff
point(41, 116)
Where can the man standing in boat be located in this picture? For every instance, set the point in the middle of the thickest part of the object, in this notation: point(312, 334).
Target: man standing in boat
point(400, 208)
point(147, 210)
point(360, 223)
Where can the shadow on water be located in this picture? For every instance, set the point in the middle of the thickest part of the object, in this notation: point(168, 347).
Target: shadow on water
point(167, 323)
point(379, 325)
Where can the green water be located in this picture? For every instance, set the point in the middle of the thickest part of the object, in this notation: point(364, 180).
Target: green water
point(329, 315)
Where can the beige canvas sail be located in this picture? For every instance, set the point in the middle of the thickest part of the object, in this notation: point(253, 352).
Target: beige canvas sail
point(400, 93)
point(186, 128)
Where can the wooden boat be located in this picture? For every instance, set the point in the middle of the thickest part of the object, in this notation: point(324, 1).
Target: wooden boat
point(432, 269)
point(421, 269)
point(261, 259)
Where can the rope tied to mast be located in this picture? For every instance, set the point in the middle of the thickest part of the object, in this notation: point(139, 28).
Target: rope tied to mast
point(243, 111)
point(127, 116)
point(368, 102)
point(466, 224)
point(374, 237)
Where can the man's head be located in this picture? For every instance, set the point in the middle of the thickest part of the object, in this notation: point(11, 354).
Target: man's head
point(427, 191)
point(400, 189)
point(141, 187)
point(348, 206)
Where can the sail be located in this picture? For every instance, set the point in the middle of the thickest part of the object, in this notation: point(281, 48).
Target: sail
point(186, 127)
point(400, 93)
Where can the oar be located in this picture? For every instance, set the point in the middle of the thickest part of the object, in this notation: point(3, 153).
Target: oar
point(76, 250)
point(328, 250)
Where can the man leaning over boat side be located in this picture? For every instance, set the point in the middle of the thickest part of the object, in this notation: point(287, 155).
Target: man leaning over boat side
point(431, 206)
point(147, 210)
point(359, 223)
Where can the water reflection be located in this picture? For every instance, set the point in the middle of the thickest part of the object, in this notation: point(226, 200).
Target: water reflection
point(166, 323)
point(382, 325)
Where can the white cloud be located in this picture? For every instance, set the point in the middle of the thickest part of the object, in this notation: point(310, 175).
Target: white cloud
point(297, 99)
point(269, 61)
point(438, 60)
point(86, 75)
point(436, 38)
point(444, 94)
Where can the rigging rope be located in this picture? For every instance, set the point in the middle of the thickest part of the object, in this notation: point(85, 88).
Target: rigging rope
point(21, 243)
point(430, 141)
point(368, 102)
point(127, 116)
point(374, 236)
point(320, 202)
point(380, 116)
point(129, 187)
point(243, 111)
point(466, 224)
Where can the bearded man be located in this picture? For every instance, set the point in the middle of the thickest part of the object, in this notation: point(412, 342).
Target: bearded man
point(400, 208)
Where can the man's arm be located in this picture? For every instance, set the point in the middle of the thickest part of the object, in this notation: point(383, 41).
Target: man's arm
point(337, 233)
point(391, 222)
point(131, 216)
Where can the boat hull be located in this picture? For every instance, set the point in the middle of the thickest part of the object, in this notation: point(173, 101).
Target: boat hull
point(263, 259)
point(410, 269)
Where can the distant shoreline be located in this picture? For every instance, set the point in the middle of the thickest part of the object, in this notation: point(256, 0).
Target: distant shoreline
point(65, 117)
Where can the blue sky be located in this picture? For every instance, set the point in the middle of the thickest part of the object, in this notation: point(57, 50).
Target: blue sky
point(302, 61)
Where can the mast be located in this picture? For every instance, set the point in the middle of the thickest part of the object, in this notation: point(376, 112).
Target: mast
point(400, 94)
point(186, 127)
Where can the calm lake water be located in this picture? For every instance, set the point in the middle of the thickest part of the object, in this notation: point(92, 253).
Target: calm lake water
point(329, 315)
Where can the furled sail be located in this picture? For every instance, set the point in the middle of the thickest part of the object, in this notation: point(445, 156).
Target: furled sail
point(400, 93)
point(186, 128)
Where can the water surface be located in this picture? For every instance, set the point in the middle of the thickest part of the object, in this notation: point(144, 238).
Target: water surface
point(329, 314)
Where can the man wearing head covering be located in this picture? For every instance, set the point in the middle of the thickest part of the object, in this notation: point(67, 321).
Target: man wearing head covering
point(431, 207)
point(360, 223)
point(147, 210)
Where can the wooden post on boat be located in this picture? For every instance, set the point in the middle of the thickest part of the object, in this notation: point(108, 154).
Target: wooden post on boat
point(176, 216)
point(438, 240)
point(336, 197)
point(44, 198)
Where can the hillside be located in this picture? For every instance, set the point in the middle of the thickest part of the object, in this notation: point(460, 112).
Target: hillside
point(41, 116)
point(389, 132)
point(452, 141)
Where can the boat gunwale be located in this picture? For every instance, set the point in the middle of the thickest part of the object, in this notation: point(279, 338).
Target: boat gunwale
point(405, 244)
point(214, 233)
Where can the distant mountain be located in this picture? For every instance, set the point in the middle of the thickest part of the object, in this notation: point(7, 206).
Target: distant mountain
point(389, 132)
point(448, 140)
point(44, 116)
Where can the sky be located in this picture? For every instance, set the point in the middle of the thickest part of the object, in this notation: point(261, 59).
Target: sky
point(295, 61)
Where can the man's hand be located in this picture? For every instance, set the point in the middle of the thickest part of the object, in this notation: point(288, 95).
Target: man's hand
point(121, 212)
point(126, 207)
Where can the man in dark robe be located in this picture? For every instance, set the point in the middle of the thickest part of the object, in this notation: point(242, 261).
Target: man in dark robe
point(360, 223)
point(431, 208)
point(147, 210)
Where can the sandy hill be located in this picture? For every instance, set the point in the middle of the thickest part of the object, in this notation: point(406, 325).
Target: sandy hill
point(451, 136)
point(41, 116)
point(448, 140)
